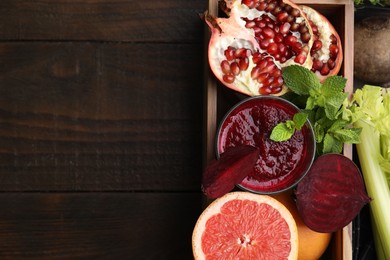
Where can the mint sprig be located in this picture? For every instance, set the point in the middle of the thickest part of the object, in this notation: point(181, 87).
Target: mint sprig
point(285, 130)
point(325, 105)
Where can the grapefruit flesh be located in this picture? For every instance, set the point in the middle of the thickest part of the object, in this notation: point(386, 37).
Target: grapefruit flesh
point(242, 225)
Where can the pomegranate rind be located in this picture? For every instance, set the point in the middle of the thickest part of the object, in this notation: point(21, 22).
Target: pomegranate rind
point(215, 208)
point(326, 28)
point(332, 193)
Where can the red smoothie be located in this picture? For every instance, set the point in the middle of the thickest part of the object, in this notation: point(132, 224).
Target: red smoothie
point(280, 164)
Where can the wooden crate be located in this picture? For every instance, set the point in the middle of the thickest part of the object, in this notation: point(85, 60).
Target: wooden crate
point(218, 99)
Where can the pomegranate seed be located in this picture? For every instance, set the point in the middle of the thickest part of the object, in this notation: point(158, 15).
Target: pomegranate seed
point(225, 66)
point(333, 39)
point(282, 49)
point(278, 38)
point(261, 23)
point(271, 25)
point(255, 73)
point(284, 28)
point(268, 33)
point(290, 40)
point(317, 44)
point(229, 78)
point(262, 6)
point(288, 8)
point(325, 70)
point(243, 63)
point(331, 64)
point(250, 4)
point(262, 64)
point(317, 64)
point(267, 81)
point(282, 16)
point(269, 59)
point(334, 50)
point(270, 7)
point(265, 43)
point(277, 10)
point(275, 90)
point(283, 59)
point(278, 81)
point(314, 28)
point(242, 52)
point(294, 27)
point(270, 67)
point(300, 58)
point(256, 57)
point(247, 2)
point(257, 31)
point(272, 48)
point(262, 77)
point(250, 24)
point(290, 19)
point(297, 47)
point(306, 37)
point(266, 90)
point(235, 68)
point(229, 53)
point(276, 73)
point(295, 12)
point(303, 29)
point(266, 18)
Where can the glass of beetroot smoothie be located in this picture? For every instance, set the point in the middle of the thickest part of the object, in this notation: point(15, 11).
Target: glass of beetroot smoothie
point(281, 165)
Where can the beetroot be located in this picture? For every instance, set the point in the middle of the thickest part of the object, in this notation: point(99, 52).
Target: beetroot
point(231, 168)
point(331, 194)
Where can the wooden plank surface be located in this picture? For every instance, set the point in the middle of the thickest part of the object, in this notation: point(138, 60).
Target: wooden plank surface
point(102, 20)
point(97, 225)
point(100, 128)
point(91, 116)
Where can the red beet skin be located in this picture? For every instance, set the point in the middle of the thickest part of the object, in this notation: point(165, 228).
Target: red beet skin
point(331, 194)
point(231, 168)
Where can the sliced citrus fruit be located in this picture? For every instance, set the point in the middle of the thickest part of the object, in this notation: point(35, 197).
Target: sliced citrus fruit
point(243, 225)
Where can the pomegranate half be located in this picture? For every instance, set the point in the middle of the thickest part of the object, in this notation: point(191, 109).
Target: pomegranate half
point(326, 52)
point(248, 48)
point(257, 38)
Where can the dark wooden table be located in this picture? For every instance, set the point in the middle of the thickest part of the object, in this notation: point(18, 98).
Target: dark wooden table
point(100, 128)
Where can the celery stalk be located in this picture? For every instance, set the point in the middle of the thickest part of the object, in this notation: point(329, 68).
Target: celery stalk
point(369, 153)
point(378, 244)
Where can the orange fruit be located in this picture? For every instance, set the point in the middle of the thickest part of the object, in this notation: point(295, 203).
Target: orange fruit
point(312, 244)
point(243, 225)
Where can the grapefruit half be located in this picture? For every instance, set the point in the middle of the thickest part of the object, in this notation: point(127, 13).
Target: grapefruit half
point(243, 225)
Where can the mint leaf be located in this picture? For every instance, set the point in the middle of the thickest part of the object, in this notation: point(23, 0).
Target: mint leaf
point(333, 84)
point(348, 135)
point(299, 120)
point(332, 145)
point(311, 103)
point(281, 132)
point(333, 104)
point(319, 132)
point(300, 80)
point(327, 107)
point(338, 124)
